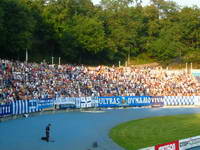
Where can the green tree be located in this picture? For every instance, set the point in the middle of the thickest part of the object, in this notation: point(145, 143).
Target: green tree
point(45, 39)
point(18, 26)
point(87, 36)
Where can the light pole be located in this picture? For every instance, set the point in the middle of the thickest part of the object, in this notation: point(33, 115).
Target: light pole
point(52, 60)
point(26, 55)
point(59, 61)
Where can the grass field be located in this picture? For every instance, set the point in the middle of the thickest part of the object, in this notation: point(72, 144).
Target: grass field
point(147, 132)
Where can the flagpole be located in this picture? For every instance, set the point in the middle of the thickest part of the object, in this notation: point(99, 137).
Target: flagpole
point(26, 55)
point(59, 61)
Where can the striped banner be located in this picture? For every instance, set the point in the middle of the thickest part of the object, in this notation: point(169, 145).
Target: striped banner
point(5, 109)
point(30, 106)
point(25, 107)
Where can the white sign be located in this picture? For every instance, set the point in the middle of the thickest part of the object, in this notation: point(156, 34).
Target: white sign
point(189, 143)
point(148, 148)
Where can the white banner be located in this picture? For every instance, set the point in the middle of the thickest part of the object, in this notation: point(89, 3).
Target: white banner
point(63, 100)
point(86, 102)
point(189, 143)
point(197, 100)
point(148, 148)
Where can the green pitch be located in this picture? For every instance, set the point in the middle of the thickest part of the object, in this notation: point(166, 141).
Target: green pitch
point(147, 132)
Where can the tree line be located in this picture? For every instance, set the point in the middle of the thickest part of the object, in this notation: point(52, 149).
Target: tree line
point(80, 32)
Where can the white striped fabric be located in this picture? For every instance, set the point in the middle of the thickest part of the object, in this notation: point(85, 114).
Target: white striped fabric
point(20, 107)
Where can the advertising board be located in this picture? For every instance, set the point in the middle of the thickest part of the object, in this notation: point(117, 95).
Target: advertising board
point(168, 146)
point(189, 143)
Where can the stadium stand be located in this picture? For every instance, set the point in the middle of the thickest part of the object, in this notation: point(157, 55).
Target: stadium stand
point(24, 81)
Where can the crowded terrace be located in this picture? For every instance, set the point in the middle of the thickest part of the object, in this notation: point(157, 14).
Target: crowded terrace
point(24, 81)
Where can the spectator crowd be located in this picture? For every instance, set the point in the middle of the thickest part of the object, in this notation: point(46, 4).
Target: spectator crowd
point(23, 81)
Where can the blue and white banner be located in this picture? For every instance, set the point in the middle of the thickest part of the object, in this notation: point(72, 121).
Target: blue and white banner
point(109, 101)
point(25, 107)
point(119, 101)
point(181, 100)
point(60, 100)
point(189, 143)
point(136, 100)
point(19, 107)
point(157, 101)
point(33, 106)
point(78, 102)
point(5, 109)
point(65, 100)
point(197, 100)
point(69, 101)
point(85, 102)
point(45, 103)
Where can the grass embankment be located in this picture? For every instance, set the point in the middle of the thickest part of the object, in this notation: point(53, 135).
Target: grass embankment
point(142, 59)
point(147, 132)
point(145, 60)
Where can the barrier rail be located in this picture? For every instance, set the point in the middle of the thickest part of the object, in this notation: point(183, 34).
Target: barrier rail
point(35, 105)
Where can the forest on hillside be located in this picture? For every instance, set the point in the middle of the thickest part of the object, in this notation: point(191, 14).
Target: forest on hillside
point(83, 33)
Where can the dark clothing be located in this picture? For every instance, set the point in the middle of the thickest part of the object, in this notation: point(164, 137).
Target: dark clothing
point(48, 128)
point(47, 132)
